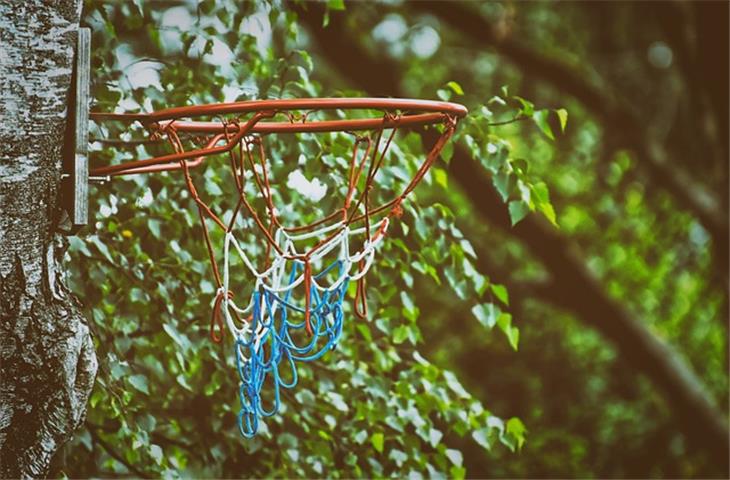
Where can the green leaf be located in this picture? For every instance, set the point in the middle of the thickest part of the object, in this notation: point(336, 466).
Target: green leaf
point(364, 331)
point(500, 291)
point(178, 337)
point(419, 358)
point(541, 119)
point(502, 182)
point(528, 108)
point(398, 457)
point(139, 382)
point(434, 437)
point(473, 146)
point(455, 87)
point(336, 4)
point(454, 384)
point(517, 429)
point(541, 198)
point(378, 441)
point(517, 211)
point(183, 382)
point(497, 154)
point(467, 247)
point(504, 322)
point(456, 280)
point(487, 314)
point(78, 245)
point(138, 295)
point(305, 397)
point(156, 454)
point(293, 454)
point(540, 192)
point(338, 402)
point(455, 456)
point(154, 226)
point(548, 212)
point(410, 310)
point(525, 194)
point(440, 177)
point(481, 436)
point(485, 111)
point(457, 473)
point(400, 334)
point(495, 422)
point(496, 99)
point(514, 337)
point(119, 369)
point(563, 117)
point(102, 247)
point(307, 58)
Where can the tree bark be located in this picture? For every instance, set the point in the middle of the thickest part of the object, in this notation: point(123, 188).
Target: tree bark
point(572, 285)
point(47, 359)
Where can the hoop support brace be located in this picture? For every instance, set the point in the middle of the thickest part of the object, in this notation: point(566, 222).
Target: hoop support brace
point(75, 176)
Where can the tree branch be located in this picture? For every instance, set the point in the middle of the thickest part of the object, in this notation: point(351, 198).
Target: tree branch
point(114, 454)
point(616, 115)
point(573, 285)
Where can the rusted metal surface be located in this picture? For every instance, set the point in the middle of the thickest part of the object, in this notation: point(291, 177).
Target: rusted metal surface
point(246, 118)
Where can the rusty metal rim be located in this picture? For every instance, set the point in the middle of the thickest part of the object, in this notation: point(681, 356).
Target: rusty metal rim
point(397, 113)
point(420, 112)
point(311, 126)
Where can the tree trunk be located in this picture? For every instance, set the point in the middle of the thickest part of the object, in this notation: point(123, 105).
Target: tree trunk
point(47, 358)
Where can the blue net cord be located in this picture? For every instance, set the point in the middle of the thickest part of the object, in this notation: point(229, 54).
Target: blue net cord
point(293, 315)
point(288, 320)
point(262, 358)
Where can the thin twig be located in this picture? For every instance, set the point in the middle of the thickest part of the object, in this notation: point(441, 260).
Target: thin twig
point(115, 455)
point(518, 118)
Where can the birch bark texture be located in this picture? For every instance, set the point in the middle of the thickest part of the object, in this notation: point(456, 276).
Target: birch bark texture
point(47, 358)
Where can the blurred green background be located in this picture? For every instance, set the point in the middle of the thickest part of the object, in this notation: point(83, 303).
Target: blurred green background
point(588, 340)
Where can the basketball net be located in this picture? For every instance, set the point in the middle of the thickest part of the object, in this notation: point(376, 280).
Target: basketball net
point(294, 314)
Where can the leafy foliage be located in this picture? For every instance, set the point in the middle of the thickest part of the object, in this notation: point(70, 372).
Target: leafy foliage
point(374, 407)
point(427, 387)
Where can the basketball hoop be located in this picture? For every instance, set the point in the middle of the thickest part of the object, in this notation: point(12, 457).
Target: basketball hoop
point(295, 311)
